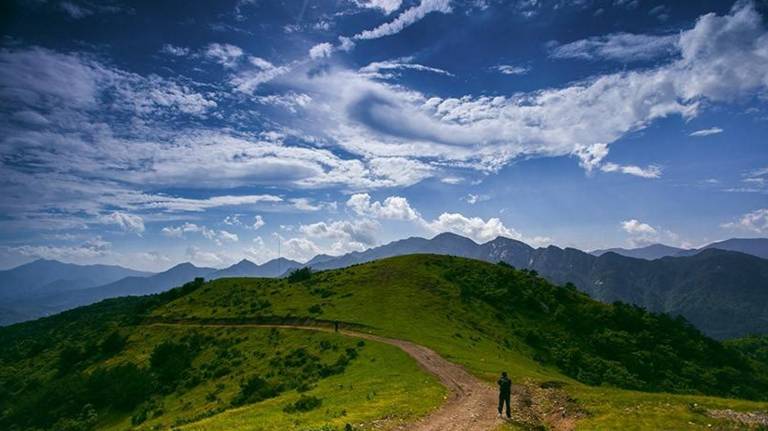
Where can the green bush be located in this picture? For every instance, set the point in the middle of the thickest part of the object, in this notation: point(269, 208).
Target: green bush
point(305, 403)
point(255, 389)
point(300, 274)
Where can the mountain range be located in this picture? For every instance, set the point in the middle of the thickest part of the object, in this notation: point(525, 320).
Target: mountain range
point(754, 246)
point(721, 288)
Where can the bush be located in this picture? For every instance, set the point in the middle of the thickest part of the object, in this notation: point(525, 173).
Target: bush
point(305, 403)
point(300, 274)
point(254, 390)
point(122, 387)
point(170, 360)
point(113, 344)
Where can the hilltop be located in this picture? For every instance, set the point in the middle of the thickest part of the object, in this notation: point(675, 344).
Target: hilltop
point(186, 363)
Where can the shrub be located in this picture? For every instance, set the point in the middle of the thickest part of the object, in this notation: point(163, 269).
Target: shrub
point(170, 360)
point(305, 403)
point(254, 390)
point(300, 274)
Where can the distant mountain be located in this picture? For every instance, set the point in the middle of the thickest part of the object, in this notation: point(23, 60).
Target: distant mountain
point(650, 252)
point(132, 286)
point(43, 277)
point(246, 268)
point(723, 293)
point(754, 246)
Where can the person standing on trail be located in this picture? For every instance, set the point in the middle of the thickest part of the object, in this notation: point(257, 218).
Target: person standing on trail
point(505, 392)
point(336, 326)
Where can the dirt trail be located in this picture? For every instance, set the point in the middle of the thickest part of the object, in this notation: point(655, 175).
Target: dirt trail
point(471, 405)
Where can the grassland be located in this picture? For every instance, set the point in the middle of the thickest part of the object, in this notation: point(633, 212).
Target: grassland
point(380, 387)
point(403, 298)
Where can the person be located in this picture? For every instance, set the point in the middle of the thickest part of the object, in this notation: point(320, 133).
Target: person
point(336, 326)
point(505, 392)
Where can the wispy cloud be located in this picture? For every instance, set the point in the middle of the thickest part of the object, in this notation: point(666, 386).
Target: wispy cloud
point(707, 132)
point(626, 47)
point(406, 18)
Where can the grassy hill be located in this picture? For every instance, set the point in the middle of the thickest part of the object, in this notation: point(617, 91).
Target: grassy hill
point(153, 363)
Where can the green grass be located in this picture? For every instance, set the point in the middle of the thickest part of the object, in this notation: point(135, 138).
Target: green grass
point(381, 382)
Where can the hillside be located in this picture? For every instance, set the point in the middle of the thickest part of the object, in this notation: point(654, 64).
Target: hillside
point(486, 317)
point(720, 292)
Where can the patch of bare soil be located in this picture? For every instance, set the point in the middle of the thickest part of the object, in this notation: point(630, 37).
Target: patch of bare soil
point(750, 420)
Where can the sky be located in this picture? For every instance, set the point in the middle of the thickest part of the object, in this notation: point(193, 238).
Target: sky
point(146, 134)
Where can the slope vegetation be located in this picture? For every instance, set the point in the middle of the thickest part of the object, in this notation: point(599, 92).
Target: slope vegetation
point(180, 359)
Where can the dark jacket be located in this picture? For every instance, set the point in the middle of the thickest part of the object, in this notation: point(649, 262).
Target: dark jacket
point(505, 386)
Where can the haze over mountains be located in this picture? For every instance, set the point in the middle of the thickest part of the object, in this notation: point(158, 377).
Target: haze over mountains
point(721, 288)
point(754, 246)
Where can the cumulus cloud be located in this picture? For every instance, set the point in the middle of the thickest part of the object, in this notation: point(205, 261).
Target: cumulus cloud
point(392, 208)
point(755, 221)
point(203, 258)
point(635, 226)
point(176, 51)
point(707, 132)
point(406, 18)
point(225, 54)
point(472, 227)
point(642, 234)
point(720, 59)
point(351, 235)
point(258, 222)
point(300, 249)
point(386, 6)
point(321, 50)
point(127, 222)
point(625, 47)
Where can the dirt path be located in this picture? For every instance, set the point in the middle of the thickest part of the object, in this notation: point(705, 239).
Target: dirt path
point(471, 405)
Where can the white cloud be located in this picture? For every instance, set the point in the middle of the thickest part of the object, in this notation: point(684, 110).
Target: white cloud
point(321, 50)
point(85, 252)
point(406, 18)
point(707, 132)
point(177, 51)
point(225, 236)
point(642, 234)
point(300, 249)
point(219, 237)
point(197, 205)
point(258, 222)
point(380, 69)
point(259, 72)
point(225, 54)
point(755, 222)
point(203, 258)
point(472, 227)
point(508, 69)
point(634, 226)
point(473, 199)
point(648, 172)
point(386, 6)
point(356, 234)
point(393, 207)
point(306, 204)
point(127, 222)
point(75, 11)
point(624, 47)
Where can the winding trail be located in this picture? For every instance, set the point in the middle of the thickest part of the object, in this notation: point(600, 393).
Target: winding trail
point(471, 405)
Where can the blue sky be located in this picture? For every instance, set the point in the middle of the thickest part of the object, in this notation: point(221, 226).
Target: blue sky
point(147, 134)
